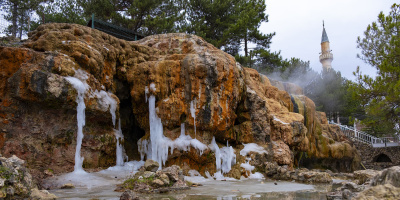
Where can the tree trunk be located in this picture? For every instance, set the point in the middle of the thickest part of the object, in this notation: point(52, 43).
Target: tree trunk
point(245, 46)
point(21, 25)
point(14, 18)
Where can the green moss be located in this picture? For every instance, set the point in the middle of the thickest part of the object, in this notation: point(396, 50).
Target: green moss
point(131, 182)
point(5, 173)
point(103, 139)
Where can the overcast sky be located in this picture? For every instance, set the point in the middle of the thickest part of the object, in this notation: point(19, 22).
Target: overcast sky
point(298, 27)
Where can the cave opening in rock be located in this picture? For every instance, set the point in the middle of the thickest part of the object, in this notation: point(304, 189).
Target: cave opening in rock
point(129, 124)
point(382, 158)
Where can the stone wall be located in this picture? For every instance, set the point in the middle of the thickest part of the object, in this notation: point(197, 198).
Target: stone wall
point(378, 158)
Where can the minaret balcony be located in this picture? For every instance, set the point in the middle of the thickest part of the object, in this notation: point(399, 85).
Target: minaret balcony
point(325, 56)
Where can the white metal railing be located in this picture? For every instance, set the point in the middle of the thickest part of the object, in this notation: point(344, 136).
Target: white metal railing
point(363, 137)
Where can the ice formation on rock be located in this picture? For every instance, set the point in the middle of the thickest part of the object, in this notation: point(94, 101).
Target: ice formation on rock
point(251, 147)
point(193, 114)
point(79, 83)
point(224, 157)
point(120, 149)
point(104, 100)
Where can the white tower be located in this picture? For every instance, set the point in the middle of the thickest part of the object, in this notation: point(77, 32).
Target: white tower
point(326, 56)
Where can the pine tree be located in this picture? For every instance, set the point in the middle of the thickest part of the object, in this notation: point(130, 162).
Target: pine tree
point(380, 48)
point(18, 13)
point(228, 23)
point(147, 17)
point(59, 11)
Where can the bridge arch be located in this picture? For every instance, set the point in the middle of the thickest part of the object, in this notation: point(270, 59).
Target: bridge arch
point(382, 157)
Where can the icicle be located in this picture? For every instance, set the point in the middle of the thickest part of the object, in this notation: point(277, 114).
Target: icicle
point(158, 147)
point(146, 91)
point(81, 88)
point(224, 157)
point(193, 113)
point(120, 149)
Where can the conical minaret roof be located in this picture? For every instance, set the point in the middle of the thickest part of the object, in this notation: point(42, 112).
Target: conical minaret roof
point(324, 35)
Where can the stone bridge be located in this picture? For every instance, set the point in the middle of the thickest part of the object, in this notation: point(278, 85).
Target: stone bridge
point(378, 157)
point(376, 153)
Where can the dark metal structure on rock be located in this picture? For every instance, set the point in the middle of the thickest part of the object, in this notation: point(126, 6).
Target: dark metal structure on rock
point(116, 31)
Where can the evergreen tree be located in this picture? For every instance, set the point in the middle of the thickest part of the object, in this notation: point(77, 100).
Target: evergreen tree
point(380, 96)
point(328, 91)
point(156, 16)
point(59, 11)
point(18, 13)
point(227, 23)
point(146, 17)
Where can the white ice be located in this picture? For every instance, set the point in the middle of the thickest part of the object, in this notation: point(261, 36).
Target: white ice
point(120, 149)
point(79, 83)
point(183, 142)
point(252, 147)
point(193, 113)
point(224, 158)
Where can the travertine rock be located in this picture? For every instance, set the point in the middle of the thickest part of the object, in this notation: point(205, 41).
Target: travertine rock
point(386, 191)
point(232, 103)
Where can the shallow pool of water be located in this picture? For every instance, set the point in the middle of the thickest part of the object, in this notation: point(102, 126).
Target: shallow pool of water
point(211, 189)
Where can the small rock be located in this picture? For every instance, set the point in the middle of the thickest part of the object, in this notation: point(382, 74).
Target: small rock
point(129, 195)
point(353, 187)
point(334, 196)
point(164, 178)
point(42, 195)
point(48, 172)
point(16, 161)
point(10, 191)
point(68, 186)
point(347, 194)
point(148, 174)
point(2, 182)
point(174, 173)
point(180, 185)
point(2, 194)
point(151, 165)
point(157, 183)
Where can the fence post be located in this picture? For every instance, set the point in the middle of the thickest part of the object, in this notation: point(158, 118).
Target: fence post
point(93, 20)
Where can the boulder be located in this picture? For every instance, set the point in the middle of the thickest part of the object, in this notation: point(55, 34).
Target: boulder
point(16, 181)
point(388, 176)
point(174, 173)
point(364, 176)
point(386, 191)
point(315, 177)
point(162, 181)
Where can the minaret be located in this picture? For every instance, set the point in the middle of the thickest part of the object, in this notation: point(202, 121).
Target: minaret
point(326, 56)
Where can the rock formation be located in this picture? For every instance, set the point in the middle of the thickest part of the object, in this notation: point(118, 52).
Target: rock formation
point(16, 181)
point(369, 184)
point(193, 83)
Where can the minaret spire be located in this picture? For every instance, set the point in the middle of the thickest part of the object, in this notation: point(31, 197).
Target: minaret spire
point(326, 56)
